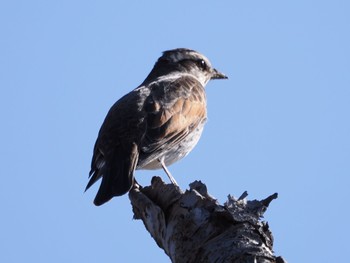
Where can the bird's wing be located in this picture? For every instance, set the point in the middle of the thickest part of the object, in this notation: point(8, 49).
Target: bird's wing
point(141, 125)
point(116, 149)
point(173, 109)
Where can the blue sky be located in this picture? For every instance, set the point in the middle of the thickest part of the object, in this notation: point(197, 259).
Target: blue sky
point(279, 124)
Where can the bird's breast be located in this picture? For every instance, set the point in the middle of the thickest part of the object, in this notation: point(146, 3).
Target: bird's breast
point(175, 153)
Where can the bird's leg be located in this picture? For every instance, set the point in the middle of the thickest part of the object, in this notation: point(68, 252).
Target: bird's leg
point(161, 160)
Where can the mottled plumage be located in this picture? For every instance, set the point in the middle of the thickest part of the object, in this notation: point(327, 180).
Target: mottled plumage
point(161, 120)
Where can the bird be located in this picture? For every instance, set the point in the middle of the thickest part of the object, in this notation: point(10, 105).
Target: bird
point(154, 125)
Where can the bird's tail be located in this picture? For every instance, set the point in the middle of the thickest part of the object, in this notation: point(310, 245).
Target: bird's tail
point(117, 176)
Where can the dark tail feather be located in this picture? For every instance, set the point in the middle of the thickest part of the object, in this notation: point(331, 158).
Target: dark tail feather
point(95, 175)
point(118, 176)
point(97, 167)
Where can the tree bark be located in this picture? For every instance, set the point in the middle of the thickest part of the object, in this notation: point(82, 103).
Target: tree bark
point(192, 226)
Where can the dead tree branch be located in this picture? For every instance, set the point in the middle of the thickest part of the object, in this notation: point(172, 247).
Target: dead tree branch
point(192, 226)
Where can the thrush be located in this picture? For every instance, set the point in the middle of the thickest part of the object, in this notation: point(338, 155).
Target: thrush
point(153, 126)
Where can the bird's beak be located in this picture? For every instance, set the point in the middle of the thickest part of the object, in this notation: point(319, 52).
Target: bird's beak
point(218, 75)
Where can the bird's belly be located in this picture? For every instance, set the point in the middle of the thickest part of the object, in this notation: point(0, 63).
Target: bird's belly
point(175, 153)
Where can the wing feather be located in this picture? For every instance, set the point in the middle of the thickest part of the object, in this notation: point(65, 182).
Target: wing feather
point(173, 110)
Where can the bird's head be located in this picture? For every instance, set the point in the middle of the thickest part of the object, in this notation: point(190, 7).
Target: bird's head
point(185, 61)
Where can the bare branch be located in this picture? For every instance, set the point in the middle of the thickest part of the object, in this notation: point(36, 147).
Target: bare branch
point(192, 226)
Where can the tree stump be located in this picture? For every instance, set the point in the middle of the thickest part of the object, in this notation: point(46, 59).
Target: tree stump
point(192, 226)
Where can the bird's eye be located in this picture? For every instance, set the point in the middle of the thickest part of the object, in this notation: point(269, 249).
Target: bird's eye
point(202, 64)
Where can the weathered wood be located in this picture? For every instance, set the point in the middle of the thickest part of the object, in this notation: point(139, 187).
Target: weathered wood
point(192, 226)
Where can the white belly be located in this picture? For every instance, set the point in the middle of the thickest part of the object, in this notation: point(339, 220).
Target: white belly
point(176, 153)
